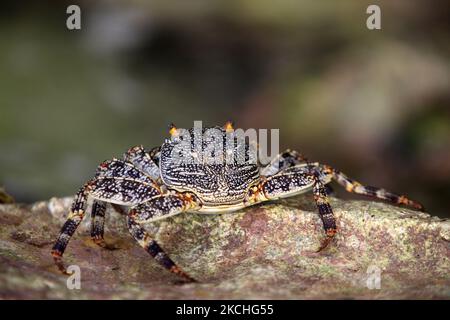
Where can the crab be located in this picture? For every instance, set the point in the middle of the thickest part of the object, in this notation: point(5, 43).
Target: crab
point(150, 185)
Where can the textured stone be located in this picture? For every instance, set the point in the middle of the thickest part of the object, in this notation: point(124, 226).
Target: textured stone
point(266, 251)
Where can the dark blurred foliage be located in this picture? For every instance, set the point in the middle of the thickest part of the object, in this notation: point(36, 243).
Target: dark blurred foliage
point(374, 104)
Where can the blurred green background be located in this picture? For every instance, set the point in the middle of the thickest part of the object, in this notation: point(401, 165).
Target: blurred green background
point(374, 104)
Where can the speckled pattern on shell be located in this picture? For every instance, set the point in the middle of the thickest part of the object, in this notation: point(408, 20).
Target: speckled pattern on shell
point(225, 182)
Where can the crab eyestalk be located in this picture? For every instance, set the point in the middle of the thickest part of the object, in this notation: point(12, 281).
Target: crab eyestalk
point(228, 126)
point(173, 131)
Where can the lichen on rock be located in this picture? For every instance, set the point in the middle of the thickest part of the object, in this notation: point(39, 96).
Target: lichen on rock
point(267, 251)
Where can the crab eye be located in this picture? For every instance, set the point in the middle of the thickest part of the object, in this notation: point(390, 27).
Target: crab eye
point(229, 126)
point(173, 130)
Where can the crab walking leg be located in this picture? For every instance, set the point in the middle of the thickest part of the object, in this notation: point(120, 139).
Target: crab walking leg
point(74, 219)
point(143, 161)
point(355, 187)
point(325, 211)
point(155, 154)
point(283, 185)
point(295, 180)
point(288, 158)
point(125, 191)
point(155, 209)
point(98, 222)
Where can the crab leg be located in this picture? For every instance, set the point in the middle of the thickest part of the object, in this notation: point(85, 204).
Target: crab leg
point(125, 191)
point(325, 210)
point(74, 219)
point(355, 187)
point(295, 180)
point(98, 222)
point(282, 161)
point(152, 210)
point(143, 161)
point(155, 154)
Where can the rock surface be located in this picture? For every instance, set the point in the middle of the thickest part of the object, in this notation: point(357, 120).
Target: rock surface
point(263, 252)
